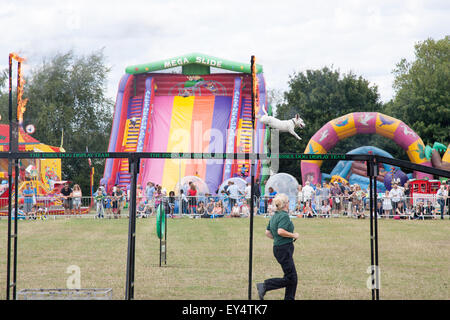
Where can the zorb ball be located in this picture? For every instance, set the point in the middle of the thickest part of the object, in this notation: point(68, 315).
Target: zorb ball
point(282, 183)
point(200, 185)
point(241, 184)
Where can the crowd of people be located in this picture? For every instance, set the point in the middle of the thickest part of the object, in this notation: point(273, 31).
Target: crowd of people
point(319, 200)
point(351, 200)
point(230, 202)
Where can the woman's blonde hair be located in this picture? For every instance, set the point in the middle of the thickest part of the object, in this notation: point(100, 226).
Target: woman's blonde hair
point(280, 201)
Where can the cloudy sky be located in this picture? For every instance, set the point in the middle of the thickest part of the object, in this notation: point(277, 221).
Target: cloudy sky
point(365, 37)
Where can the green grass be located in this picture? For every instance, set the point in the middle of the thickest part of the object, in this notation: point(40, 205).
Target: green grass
point(208, 259)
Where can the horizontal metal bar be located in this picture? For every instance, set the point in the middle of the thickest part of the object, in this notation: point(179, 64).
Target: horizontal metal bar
point(183, 155)
point(218, 156)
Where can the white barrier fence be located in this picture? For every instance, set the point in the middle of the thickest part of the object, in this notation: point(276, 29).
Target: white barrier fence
point(421, 205)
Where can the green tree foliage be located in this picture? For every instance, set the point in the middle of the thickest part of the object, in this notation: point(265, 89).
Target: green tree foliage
point(67, 98)
point(319, 96)
point(422, 89)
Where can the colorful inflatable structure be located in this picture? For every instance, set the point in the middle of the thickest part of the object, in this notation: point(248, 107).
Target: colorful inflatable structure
point(194, 110)
point(363, 123)
point(43, 174)
point(355, 172)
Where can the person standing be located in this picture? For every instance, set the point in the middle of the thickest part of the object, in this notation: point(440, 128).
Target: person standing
point(307, 191)
point(257, 195)
point(336, 194)
point(66, 193)
point(99, 198)
point(117, 195)
point(396, 195)
point(441, 196)
point(192, 196)
point(28, 194)
point(76, 198)
point(281, 230)
point(387, 204)
point(235, 193)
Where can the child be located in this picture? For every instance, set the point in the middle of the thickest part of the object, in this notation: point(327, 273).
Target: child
point(346, 203)
point(429, 211)
point(184, 202)
point(379, 210)
point(400, 211)
point(218, 211)
point(99, 199)
point(298, 209)
point(41, 213)
point(245, 209)
point(172, 203)
point(271, 209)
point(107, 206)
point(387, 204)
point(418, 211)
point(409, 211)
point(201, 208)
point(235, 212)
point(307, 210)
point(32, 213)
point(326, 208)
point(210, 206)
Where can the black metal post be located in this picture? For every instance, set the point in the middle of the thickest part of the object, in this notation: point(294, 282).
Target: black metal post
point(165, 236)
point(160, 235)
point(10, 164)
point(252, 183)
point(15, 147)
point(129, 287)
point(16, 221)
point(370, 175)
point(377, 267)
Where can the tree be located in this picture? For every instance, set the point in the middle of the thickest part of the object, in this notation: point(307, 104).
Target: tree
point(422, 91)
point(320, 96)
point(67, 97)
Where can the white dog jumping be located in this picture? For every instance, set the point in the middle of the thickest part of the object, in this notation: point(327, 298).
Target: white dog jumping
point(283, 125)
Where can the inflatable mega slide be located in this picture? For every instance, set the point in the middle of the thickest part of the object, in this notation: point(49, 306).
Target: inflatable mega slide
point(191, 103)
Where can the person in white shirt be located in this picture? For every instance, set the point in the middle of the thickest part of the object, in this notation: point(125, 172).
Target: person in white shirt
point(441, 197)
point(307, 192)
point(248, 189)
point(396, 195)
point(234, 192)
point(387, 204)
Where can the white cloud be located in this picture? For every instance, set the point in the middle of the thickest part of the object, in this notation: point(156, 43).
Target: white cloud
point(367, 38)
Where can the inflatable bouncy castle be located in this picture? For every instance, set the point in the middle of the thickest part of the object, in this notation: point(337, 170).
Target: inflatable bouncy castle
point(191, 103)
point(363, 123)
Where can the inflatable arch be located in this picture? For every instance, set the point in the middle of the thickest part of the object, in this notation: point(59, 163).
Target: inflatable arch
point(363, 123)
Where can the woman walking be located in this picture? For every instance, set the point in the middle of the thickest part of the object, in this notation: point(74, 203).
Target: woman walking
point(280, 229)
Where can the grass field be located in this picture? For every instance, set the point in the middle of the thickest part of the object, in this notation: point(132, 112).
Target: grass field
point(208, 259)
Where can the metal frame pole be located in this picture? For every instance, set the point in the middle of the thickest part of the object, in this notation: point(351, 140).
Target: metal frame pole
point(252, 185)
point(372, 264)
point(10, 164)
point(131, 254)
point(160, 237)
point(372, 170)
point(377, 268)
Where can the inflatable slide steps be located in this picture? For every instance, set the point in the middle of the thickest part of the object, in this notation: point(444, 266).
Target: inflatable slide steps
point(245, 133)
point(130, 139)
